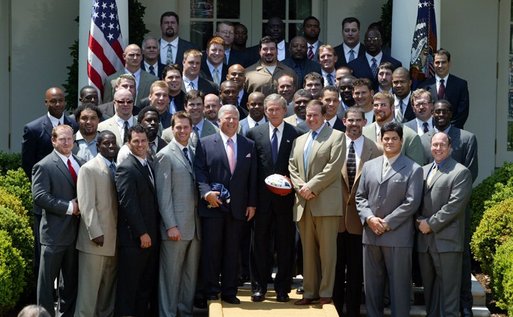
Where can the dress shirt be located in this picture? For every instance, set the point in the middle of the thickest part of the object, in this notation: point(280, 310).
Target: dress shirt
point(219, 68)
point(347, 51)
point(317, 131)
point(199, 127)
point(358, 148)
point(332, 121)
point(227, 52)
point(446, 131)
point(55, 121)
point(186, 82)
point(369, 116)
point(252, 122)
point(377, 57)
point(121, 124)
point(163, 49)
point(405, 101)
point(181, 147)
point(281, 50)
point(123, 153)
point(420, 125)
point(325, 77)
point(239, 98)
point(279, 133)
point(390, 161)
point(76, 167)
point(155, 68)
point(86, 150)
point(137, 76)
point(315, 48)
point(225, 138)
point(438, 81)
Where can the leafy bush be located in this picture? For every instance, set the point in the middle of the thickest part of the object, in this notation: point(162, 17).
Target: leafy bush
point(484, 191)
point(12, 202)
point(16, 183)
point(494, 229)
point(502, 278)
point(9, 161)
point(12, 269)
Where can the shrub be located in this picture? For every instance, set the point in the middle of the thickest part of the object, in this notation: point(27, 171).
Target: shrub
point(9, 161)
point(502, 278)
point(17, 183)
point(484, 191)
point(12, 268)
point(493, 230)
point(12, 202)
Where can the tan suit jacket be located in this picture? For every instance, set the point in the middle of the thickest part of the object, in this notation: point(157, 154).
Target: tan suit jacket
point(259, 79)
point(323, 176)
point(97, 198)
point(111, 125)
point(350, 220)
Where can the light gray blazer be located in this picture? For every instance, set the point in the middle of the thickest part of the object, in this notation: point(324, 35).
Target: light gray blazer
point(444, 204)
point(176, 191)
point(395, 198)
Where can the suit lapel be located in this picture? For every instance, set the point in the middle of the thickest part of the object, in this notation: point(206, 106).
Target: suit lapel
point(143, 170)
point(63, 168)
point(175, 150)
point(220, 145)
point(394, 169)
point(286, 140)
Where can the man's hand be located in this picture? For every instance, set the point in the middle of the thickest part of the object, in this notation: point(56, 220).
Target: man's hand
point(377, 225)
point(424, 226)
point(250, 212)
point(174, 234)
point(213, 200)
point(99, 240)
point(306, 193)
point(76, 210)
point(145, 241)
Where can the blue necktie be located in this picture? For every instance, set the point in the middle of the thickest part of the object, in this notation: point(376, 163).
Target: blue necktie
point(374, 67)
point(274, 145)
point(307, 150)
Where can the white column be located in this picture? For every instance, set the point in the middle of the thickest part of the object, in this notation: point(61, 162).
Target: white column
point(404, 19)
point(83, 31)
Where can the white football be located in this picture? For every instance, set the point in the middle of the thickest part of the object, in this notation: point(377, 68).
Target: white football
point(279, 184)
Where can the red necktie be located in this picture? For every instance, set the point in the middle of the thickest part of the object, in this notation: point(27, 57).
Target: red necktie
point(441, 89)
point(72, 172)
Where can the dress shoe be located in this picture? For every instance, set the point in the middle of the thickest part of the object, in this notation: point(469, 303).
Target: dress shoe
point(282, 297)
point(467, 312)
point(200, 302)
point(231, 300)
point(300, 290)
point(212, 297)
point(325, 300)
point(258, 297)
point(304, 301)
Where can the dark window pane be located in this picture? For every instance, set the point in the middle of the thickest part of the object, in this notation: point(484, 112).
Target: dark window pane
point(202, 9)
point(201, 32)
point(272, 8)
point(228, 9)
point(299, 9)
point(295, 29)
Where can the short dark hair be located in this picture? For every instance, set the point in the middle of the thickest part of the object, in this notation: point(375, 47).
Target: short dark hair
point(102, 135)
point(351, 20)
point(180, 115)
point(90, 106)
point(193, 94)
point(392, 127)
point(358, 110)
point(264, 40)
point(311, 17)
point(363, 82)
point(445, 103)
point(329, 88)
point(145, 110)
point(170, 14)
point(137, 128)
point(314, 102)
point(386, 65)
point(443, 51)
point(170, 67)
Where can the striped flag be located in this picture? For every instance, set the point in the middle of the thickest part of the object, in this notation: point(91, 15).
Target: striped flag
point(105, 47)
point(424, 42)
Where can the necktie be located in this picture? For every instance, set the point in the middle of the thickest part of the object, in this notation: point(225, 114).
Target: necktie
point(72, 172)
point(328, 124)
point(256, 124)
point(195, 135)
point(330, 79)
point(150, 173)
point(125, 131)
point(191, 85)
point(351, 165)
point(152, 70)
point(386, 168)
point(432, 174)
point(217, 78)
point(169, 56)
point(374, 67)
point(399, 114)
point(274, 145)
point(112, 169)
point(426, 127)
point(310, 53)
point(230, 152)
point(172, 106)
point(441, 89)
point(186, 154)
point(351, 55)
point(307, 150)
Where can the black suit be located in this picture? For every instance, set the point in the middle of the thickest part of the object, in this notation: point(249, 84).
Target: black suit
point(138, 214)
point(341, 60)
point(183, 46)
point(274, 216)
point(52, 190)
point(205, 72)
point(301, 68)
point(221, 230)
point(239, 57)
point(158, 71)
point(205, 86)
point(362, 69)
point(456, 92)
point(339, 125)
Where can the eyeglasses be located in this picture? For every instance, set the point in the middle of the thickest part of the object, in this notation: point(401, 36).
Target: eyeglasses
point(126, 102)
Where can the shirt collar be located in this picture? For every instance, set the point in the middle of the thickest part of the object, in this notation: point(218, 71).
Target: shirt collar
point(225, 138)
point(55, 121)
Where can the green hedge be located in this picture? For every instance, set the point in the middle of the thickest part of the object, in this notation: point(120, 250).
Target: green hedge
point(12, 268)
point(503, 276)
point(16, 183)
point(9, 161)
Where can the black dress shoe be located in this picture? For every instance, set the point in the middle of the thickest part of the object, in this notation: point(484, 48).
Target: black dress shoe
point(282, 297)
point(200, 302)
point(231, 300)
point(212, 297)
point(258, 297)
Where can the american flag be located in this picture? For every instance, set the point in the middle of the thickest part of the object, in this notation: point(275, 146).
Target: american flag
point(105, 47)
point(424, 41)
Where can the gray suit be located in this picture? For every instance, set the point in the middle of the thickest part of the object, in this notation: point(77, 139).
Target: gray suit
point(179, 260)
point(143, 90)
point(52, 190)
point(394, 198)
point(412, 147)
point(412, 124)
point(208, 129)
point(112, 125)
point(441, 251)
